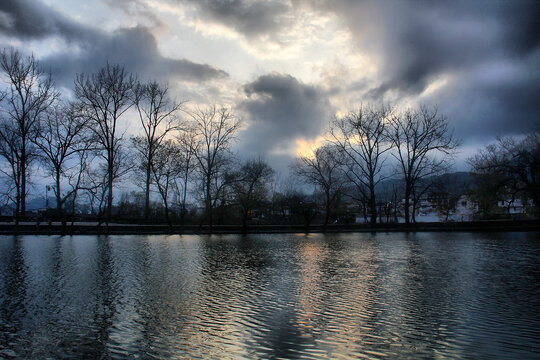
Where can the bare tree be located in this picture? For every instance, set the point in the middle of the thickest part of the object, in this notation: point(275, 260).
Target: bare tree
point(423, 145)
point(94, 185)
point(158, 117)
point(103, 98)
point(30, 92)
point(508, 168)
point(361, 137)
point(63, 151)
point(250, 186)
point(214, 130)
point(166, 167)
point(323, 170)
point(187, 144)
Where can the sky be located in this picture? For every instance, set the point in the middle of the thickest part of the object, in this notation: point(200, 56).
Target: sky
point(286, 67)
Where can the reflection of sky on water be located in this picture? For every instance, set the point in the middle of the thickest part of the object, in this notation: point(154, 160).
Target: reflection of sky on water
point(266, 296)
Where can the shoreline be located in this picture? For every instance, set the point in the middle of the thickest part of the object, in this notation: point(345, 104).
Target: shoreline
point(133, 229)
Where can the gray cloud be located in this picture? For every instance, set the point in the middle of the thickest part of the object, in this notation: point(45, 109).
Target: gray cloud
point(281, 109)
point(135, 48)
point(416, 42)
point(493, 102)
point(27, 19)
point(490, 50)
point(136, 9)
point(249, 17)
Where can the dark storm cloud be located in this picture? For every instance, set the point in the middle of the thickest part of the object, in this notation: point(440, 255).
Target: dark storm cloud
point(415, 42)
point(27, 19)
point(281, 109)
point(135, 48)
point(249, 17)
point(498, 100)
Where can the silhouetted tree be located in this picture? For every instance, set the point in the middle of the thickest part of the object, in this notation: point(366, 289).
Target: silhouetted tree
point(251, 186)
point(507, 169)
point(361, 137)
point(166, 167)
point(95, 187)
point(103, 98)
point(29, 94)
point(214, 130)
point(187, 144)
point(64, 147)
point(423, 145)
point(323, 171)
point(158, 116)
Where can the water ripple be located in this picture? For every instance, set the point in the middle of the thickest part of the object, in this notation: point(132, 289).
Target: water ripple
point(425, 295)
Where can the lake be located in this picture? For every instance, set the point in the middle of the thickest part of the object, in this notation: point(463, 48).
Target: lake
point(384, 295)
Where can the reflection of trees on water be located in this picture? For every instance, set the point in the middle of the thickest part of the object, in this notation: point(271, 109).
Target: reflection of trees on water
point(103, 297)
point(273, 330)
point(234, 277)
point(351, 295)
point(429, 297)
point(166, 272)
point(337, 293)
point(502, 295)
point(12, 292)
point(244, 303)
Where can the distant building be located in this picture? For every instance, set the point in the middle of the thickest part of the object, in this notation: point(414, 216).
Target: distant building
point(515, 206)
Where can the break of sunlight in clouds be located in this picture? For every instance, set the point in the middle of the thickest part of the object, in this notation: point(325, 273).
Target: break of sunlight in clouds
point(307, 147)
point(307, 42)
point(287, 67)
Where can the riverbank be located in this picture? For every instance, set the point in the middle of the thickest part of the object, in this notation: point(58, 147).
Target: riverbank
point(127, 229)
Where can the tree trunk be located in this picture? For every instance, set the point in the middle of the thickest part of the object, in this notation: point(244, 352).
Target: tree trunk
point(307, 222)
point(110, 188)
point(147, 195)
point(244, 220)
point(147, 188)
point(372, 204)
point(407, 198)
point(413, 213)
point(23, 186)
point(167, 217)
point(73, 211)
point(364, 210)
point(183, 214)
point(17, 206)
point(59, 209)
point(208, 205)
point(327, 212)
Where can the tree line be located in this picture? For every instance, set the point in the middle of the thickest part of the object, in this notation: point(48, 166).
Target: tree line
point(186, 153)
point(354, 160)
point(505, 172)
point(82, 146)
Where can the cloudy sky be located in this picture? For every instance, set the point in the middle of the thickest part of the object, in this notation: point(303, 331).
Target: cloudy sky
point(288, 66)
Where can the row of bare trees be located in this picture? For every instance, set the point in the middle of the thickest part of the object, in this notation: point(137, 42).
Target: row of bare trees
point(83, 147)
point(82, 143)
point(375, 143)
point(29, 95)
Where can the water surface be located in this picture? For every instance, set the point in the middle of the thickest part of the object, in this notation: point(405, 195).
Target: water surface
point(424, 295)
